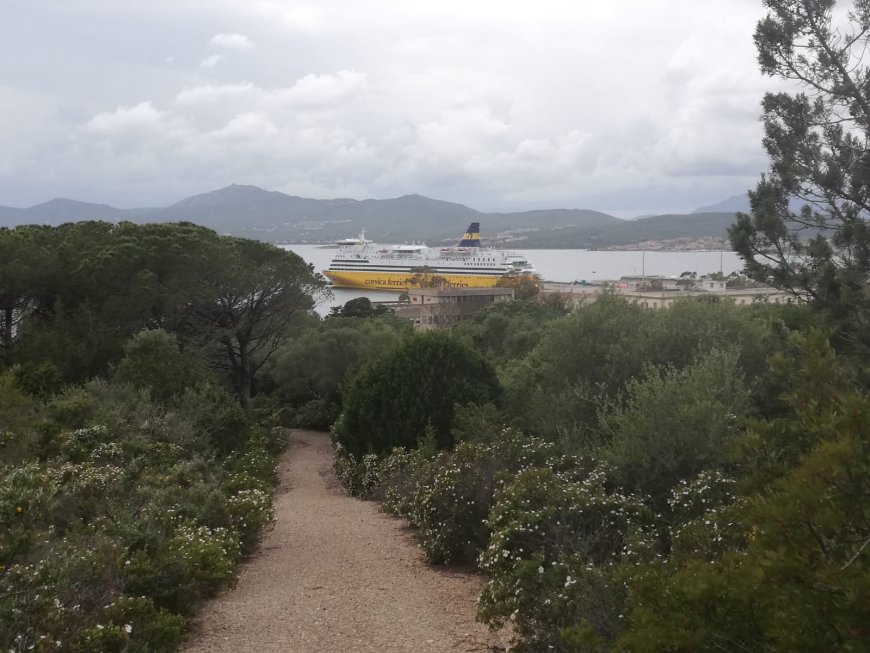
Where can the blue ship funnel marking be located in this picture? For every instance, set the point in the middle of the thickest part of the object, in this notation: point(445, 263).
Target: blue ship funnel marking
point(472, 236)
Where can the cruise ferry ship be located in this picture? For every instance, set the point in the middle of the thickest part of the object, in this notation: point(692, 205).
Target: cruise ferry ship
point(360, 263)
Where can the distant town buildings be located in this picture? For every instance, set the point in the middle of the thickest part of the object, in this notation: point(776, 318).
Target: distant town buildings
point(441, 308)
point(660, 292)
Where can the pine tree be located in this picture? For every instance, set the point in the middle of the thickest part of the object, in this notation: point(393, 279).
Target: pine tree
point(808, 232)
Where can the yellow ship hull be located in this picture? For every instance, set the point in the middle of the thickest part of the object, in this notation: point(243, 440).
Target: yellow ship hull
point(400, 281)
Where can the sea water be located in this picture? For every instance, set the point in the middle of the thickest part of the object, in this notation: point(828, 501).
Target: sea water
point(558, 265)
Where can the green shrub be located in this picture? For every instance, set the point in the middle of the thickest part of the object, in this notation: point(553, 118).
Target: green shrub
point(674, 423)
point(73, 408)
point(217, 416)
point(18, 418)
point(317, 414)
point(555, 540)
point(26, 499)
point(392, 401)
point(448, 495)
point(38, 379)
point(153, 361)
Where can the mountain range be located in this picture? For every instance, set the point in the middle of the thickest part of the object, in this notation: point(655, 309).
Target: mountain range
point(272, 216)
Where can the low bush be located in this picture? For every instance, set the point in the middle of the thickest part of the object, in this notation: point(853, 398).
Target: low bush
point(317, 414)
point(455, 499)
point(557, 540)
point(132, 517)
point(446, 495)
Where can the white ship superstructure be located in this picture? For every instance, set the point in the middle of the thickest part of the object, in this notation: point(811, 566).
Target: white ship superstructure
point(363, 264)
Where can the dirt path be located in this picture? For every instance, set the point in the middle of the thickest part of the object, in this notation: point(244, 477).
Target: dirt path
point(335, 574)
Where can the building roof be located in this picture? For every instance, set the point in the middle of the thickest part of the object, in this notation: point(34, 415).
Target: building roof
point(461, 292)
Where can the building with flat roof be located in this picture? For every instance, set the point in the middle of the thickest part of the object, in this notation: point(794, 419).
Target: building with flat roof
point(659, 297)
point(441, 308)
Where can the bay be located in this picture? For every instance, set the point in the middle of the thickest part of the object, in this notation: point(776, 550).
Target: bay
point(558, 265)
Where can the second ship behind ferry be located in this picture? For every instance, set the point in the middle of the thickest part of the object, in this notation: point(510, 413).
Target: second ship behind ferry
point(360, 263)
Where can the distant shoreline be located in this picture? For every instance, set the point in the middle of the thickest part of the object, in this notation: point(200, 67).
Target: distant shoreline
point(640, 247)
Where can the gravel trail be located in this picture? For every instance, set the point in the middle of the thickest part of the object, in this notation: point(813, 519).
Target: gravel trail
point(336, 574)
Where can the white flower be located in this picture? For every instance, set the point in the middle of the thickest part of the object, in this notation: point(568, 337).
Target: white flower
point(128, 629)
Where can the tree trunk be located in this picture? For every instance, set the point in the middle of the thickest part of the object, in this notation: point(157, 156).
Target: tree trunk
point(244, 377)
point(6, 340)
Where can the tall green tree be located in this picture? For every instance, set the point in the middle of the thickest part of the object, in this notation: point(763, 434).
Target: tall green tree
point(254, 292)
point(319, 363)
point(817, 141)
point(25, 257)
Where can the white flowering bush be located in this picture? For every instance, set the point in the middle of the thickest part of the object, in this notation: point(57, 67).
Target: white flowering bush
point(78, 445)
point(250, 512)
point(448, 495)
point(271, 440)
point(69, 601)
point(369, 474)
point(706, 518)
point(209, 553)
point(347, 470)
point(111, 538)
point(358, 475)
point(400, 475)
point(557, 541)
point(26, 498)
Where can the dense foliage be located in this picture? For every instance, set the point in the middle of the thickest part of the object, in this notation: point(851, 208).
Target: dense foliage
point(73, 295)
point(694, 479)
point(310, 373)
point(132, 479)
point(117, 515)
point(392, 401)
point(808, 230)
point(698, 480)
point(690, 479)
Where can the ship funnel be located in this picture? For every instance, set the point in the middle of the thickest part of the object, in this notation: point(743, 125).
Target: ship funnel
point(472, 236)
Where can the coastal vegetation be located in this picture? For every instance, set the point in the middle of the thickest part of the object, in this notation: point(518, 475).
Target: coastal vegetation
point(694, 479)
point(136, 465)
point(633, 449)
point(627, 479)
point(689, 479)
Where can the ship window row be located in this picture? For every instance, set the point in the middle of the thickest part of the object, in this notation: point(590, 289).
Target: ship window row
point(407, 268)
point(397, 270)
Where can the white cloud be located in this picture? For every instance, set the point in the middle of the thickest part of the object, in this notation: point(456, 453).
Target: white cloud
point(212, 93)
point(305, 20)
point(497, 103)
point(246, 126)
point(125, 119)
point(232, 41)
point(211, 61)
point(322, 89)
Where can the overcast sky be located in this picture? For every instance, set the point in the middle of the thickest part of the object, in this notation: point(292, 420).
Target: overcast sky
point(630, 106)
